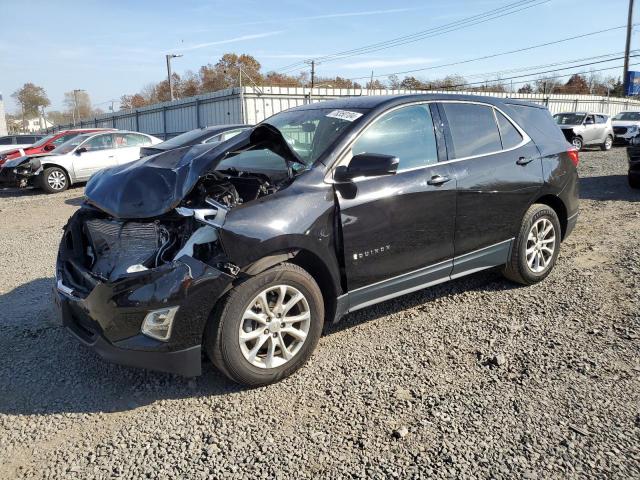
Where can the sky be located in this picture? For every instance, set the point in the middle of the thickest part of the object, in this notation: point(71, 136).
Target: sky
point(117, 47)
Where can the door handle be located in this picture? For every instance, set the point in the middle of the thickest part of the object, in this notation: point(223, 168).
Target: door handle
point(438, 180)
point(524, 161)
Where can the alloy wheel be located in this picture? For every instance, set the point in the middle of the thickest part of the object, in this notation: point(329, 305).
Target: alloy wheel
point(57, 180)
point(274, 326)
point(577, 143)
point(608, 143)
point(541, 244)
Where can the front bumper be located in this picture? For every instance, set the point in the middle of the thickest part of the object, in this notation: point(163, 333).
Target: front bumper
point(107, 316)
point(13, 177)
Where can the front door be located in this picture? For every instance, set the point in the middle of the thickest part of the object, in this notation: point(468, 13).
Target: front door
point(397, 230)
point(95, 154)
point(498, 172)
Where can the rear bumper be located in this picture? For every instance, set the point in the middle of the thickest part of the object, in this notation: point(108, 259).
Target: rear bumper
point(107, 317)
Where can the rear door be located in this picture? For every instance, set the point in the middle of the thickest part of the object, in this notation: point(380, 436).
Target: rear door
point(590, 134)
point(601, 128)
point(128, 146)
point(100, 153)
point(403, 223)
point(498, 171)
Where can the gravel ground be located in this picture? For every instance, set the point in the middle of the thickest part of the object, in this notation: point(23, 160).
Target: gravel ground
point(476, 378)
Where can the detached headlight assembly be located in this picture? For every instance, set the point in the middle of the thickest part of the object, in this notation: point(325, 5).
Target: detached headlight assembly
point(158, 323)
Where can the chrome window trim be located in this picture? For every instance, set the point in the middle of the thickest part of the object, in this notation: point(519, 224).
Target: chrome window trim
point(342, 157)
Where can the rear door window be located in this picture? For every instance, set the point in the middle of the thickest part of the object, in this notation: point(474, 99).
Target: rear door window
point(509, 135)
point(406, 133)
point(473, 129)
point(6, 140)
point(601, 119)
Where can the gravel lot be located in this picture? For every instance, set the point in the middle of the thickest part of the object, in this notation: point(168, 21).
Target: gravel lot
point(476, 378)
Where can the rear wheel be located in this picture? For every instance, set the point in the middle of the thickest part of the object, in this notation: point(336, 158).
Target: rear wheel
point(54, 180)
point(608, 143)
point(577, 143)
point(536, 248)
point(634, 180)
point(267, 327)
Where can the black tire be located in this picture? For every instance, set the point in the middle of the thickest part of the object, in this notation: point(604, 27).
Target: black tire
point(634, 180)
point(48, 185)
point(221, 339)
point(608, 143)
point(517, 269)
point(577, 143)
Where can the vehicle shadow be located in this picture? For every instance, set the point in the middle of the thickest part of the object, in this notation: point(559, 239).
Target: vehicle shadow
point(19, 192)
point(75, 201)
point(608, 187)
point(45, 370)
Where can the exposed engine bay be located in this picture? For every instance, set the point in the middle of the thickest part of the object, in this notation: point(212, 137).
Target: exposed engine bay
point(152, 212)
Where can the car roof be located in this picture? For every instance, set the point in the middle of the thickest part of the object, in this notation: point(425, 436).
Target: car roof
point(376, 101)
point(582, 113)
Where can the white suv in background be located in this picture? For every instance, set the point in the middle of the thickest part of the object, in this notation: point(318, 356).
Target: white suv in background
point(626, 125)
point(582, 129)
point(76, 160)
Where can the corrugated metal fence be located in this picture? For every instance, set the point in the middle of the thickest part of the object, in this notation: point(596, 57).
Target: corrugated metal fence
point(252, 105)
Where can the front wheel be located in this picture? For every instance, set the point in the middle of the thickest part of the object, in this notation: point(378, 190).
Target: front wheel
point(54, 180)
point(608, 143)
point(536, 248)
point(266, 327)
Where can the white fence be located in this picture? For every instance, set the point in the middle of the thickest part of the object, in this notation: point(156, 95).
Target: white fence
point(252, 105)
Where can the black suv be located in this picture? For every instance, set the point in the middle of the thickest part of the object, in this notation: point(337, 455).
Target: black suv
point(246, 248)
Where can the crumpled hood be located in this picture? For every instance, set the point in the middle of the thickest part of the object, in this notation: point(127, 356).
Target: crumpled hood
point(154, 185)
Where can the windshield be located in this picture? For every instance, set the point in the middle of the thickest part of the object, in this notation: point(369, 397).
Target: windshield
point(569, 118)
point(310, 132)
point(71, 144)
point(44, 140)
point(629, 116)
point(183, 138)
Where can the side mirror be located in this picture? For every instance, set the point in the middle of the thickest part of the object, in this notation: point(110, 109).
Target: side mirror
point(81, 150)
point(48, 148)
point(366, 165)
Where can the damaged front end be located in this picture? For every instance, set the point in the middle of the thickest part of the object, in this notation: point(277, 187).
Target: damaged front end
point(20, 172)
point(141, 265)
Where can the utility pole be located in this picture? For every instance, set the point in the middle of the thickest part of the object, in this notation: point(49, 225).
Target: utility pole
point(169, 57)
point(371, 81)
point(75, 105)
point(627, 47)
point(313, 73)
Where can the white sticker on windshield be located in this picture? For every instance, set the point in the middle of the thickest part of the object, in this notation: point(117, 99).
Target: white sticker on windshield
point(344, 115)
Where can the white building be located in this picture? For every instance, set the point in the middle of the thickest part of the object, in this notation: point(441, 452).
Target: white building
point(3, 120)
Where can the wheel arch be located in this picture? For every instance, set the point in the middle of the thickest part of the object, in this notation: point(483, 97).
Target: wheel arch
point(309, 261)
point(559, 207)
point(46, 165)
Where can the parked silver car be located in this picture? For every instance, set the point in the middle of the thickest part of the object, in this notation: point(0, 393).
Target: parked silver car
point(583, 129)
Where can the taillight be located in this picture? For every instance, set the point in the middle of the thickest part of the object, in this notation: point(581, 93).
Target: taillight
point(573, 156)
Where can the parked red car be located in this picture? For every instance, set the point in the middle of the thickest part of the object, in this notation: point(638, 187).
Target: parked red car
point(47, 144)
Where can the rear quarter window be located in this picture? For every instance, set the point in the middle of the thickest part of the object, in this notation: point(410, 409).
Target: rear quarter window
point(540, 126)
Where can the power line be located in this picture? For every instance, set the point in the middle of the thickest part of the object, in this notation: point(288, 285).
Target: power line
point(494, 55)
point(538, 74)
point(434, 31)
